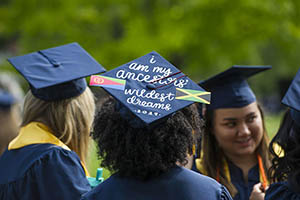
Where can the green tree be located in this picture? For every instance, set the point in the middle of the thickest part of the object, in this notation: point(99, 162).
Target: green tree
point(201, 37)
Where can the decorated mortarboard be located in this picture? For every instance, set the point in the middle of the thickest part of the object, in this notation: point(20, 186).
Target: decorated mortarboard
point(149, 88)
point(292, 98)
point(57, 73)
point(230, 88)
point(6, 99)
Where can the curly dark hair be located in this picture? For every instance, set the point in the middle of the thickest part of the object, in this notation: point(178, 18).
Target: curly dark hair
point(286, 167)
point(144, 153)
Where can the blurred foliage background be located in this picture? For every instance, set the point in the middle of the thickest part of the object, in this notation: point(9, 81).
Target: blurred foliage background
point(201, 37)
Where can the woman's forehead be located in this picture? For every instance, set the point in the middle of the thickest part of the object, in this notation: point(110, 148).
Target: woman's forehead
point(242, 112)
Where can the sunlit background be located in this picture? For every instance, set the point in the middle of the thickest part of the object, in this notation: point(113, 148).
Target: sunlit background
point(201, 37)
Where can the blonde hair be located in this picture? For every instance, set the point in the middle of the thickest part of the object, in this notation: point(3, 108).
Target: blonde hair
point(70, 120)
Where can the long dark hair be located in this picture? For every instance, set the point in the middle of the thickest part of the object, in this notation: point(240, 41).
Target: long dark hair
point(140, 152)
point(213, 156)
point(286, 163)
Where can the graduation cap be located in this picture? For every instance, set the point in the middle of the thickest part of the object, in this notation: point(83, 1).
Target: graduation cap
point(148, 89)
point(57, 73)
point(230, 88)
point(6, 99)
point(292, 97)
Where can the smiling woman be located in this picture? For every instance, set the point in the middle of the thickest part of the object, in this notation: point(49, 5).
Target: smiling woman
point(236, 137)
point(234, 146)
point(238, 131)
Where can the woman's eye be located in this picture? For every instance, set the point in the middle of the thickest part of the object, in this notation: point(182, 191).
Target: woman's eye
point(251, 119)
point(230, 124)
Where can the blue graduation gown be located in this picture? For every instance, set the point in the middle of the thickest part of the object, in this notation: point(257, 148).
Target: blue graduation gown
point(41, 171)
point(176, 184)
point(244, 189)
point(281, 191)
point(37, 165)
point(236, 176)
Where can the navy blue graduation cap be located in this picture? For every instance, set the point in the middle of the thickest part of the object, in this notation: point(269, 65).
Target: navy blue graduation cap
point(57, 73)
point(292, 98)
point(6, 99)
point(230, 88)
point(148, 89)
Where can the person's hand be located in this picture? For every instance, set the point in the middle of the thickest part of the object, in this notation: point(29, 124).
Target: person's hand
point(258, 192)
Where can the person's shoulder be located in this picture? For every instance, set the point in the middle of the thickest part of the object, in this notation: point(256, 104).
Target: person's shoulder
point(104, 188)
point(14, 164)
point(46, 152)
point(58, 160)
point(281, 191)
point(178, 182)
point(195, 177)
point(192, 181)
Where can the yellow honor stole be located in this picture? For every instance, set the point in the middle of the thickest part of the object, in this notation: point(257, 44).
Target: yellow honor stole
point(37, 133)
